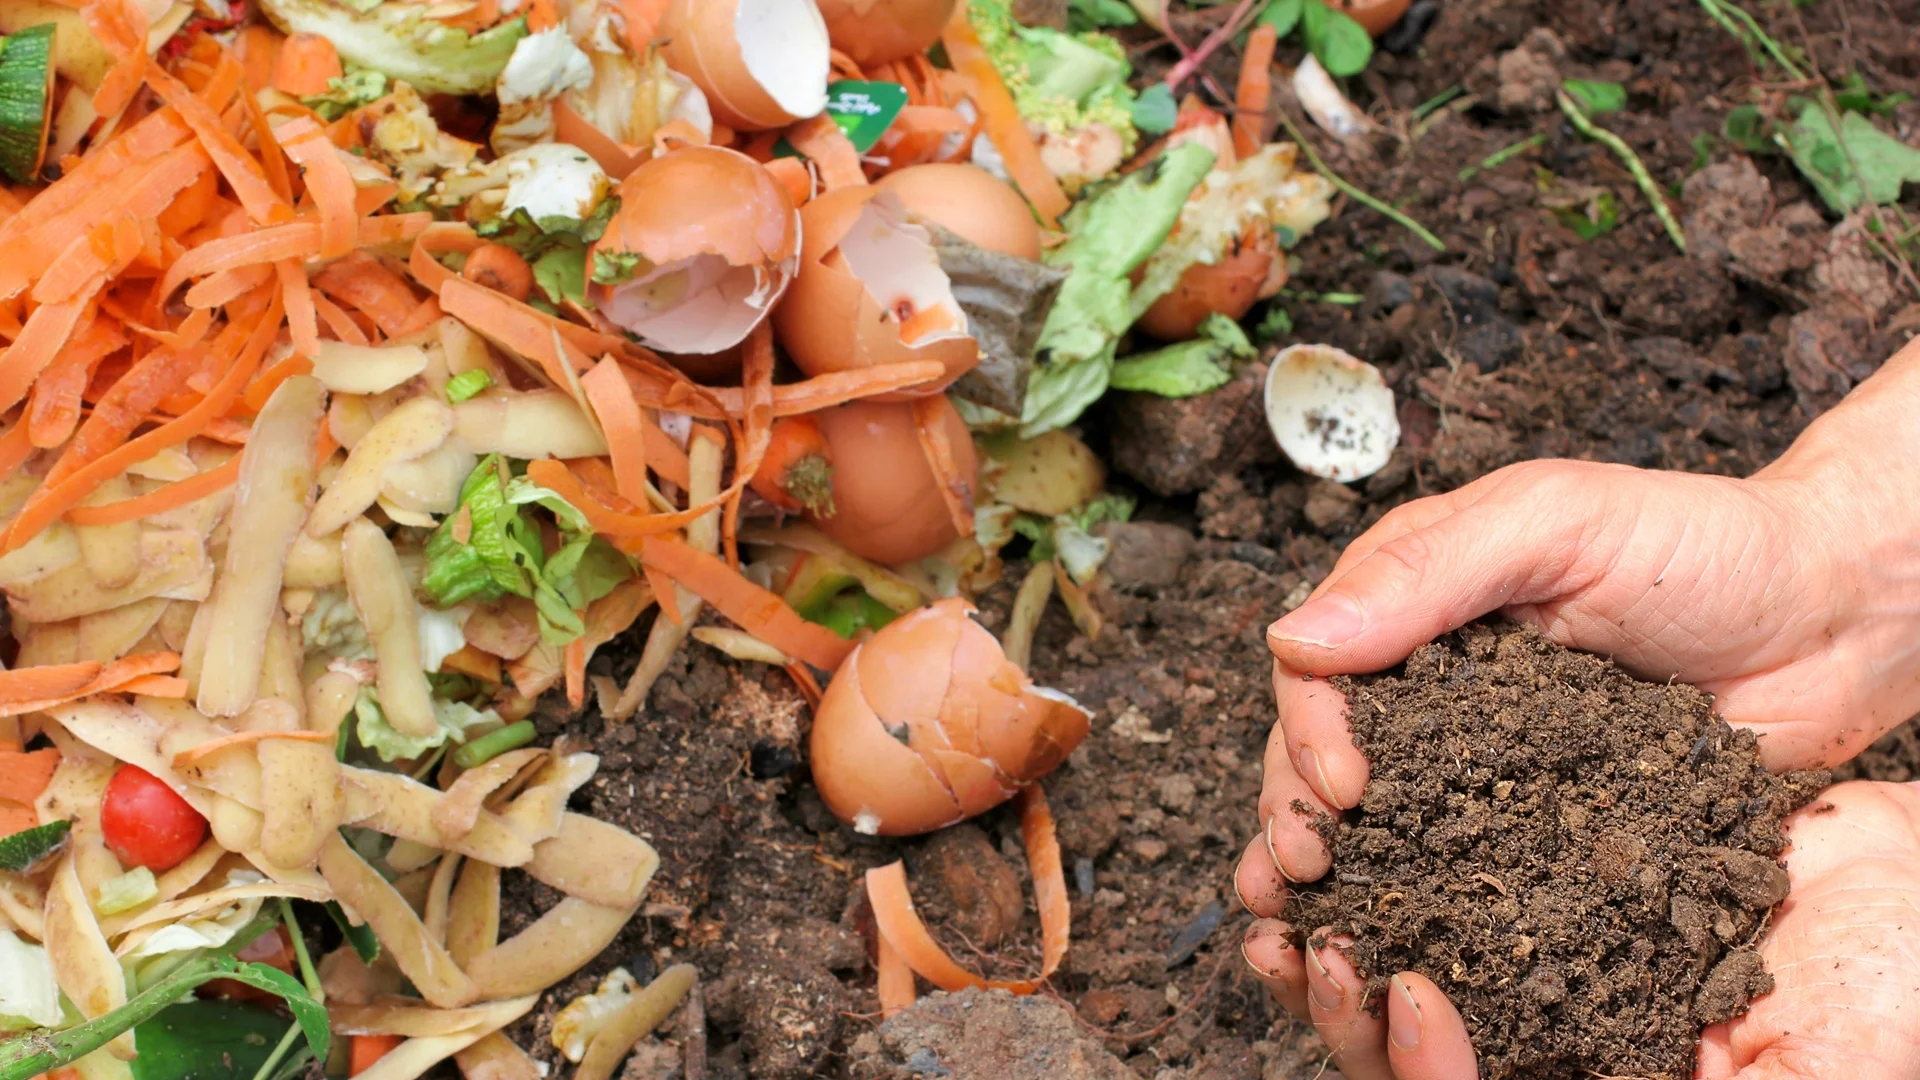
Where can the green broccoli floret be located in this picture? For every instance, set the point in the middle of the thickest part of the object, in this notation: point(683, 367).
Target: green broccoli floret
point(1061, 82)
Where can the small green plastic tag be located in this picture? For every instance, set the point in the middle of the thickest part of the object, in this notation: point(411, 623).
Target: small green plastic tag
point(863, 110)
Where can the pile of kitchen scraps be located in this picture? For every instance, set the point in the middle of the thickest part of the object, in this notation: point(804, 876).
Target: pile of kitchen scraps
point(1581, 860)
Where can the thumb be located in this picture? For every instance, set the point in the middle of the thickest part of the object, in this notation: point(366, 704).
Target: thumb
point(1419, 585)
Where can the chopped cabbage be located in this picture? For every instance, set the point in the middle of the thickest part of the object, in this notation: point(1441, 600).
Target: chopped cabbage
point(402, 42)
point(29, 997)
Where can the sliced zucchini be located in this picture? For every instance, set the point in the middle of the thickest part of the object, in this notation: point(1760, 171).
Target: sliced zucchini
point(26, 101)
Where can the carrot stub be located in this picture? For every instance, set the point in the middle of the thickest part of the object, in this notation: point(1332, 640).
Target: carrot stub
point(306, 64)
point(1255, 91)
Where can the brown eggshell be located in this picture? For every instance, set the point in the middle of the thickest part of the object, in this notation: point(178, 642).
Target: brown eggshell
point(875, 32)
point(859, 767)
point(704, 42)
point(1229, 287)
point(1378, 16)
point(702, 199)
point(972, 203)
point(886, 505)
point(830, 321)
point(896, 743)
point(694, 203)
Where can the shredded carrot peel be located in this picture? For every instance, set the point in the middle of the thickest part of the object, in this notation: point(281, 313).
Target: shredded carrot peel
point(900, 926)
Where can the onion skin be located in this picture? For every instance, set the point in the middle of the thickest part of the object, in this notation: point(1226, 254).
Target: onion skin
point(971, 203)
point(887, 507)
point(1229, 287)
point(891, 758)
point(829, 322)
point(875, 32)
point(1377, 16)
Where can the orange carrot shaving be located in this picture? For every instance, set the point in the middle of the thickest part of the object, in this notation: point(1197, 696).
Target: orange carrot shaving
point(362, 281)
point(15, 447)
point(46, 332)
point(296, 240)
point(756, 388)
point(259, 48)
point(220, 289)
point(303, 320)
point(193, 754)
point(243, 172)
point(1002, 121)
point(192, 205)
point(263, 387)
point(1255, 92)
point(44, 687)
point(612, 399)
point(606, 619)
point(754, 609)
point(901, 927)
point(793, 175)
point(440, 238)
point(793, 399)
point(616, 158)
point(364, 1050)
point(896, 979)
point(55, 410)
point(339, 322)
point(161, 499)
point(23, 776)
point(328, 181)
point(306, 64)
point(164, 686)
point(120, 26)
point(514, 326)
point(272, 155)
point(929, 422)
point(830, 150)
point(100, 253)
point(425, 314)
point(56, 497)
point(500, 268)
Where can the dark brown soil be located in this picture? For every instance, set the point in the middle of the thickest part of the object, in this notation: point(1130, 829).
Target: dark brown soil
point(1521, 341)
point(1583, 861)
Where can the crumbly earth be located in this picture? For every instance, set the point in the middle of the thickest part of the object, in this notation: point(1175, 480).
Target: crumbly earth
point(1522, 340)
point(1582, 860)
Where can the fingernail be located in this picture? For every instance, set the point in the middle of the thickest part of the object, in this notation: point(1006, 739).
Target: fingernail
point(1236, 891)
point(1315, 774)
point(1320, 985)
point(1257, 969)
point(1274, 854)
point(1328, 622)
point(1403, 1023)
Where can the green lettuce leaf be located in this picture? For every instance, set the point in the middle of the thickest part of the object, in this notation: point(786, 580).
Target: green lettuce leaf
point(29, 996)
point(1191, 367)
point(457, 719)
point(347, 93)
point(1108, 236)
point(400, 41)
point(1828, 158)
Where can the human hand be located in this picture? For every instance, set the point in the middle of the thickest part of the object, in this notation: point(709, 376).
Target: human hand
point(1842, 951)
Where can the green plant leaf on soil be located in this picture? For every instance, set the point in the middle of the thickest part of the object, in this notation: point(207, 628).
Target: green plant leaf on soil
point(23, 849)
point(1746, 128)
point(1857, 96)
point(207, 1040)
point(1598, 97)
point(1596, 219)
point(1828, 159)
point(1702, 144)
point(1282, 15)
point(1154, 111)
point(1274, 325)
point(1343, 46)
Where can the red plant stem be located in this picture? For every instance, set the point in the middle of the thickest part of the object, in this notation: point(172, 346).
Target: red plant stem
point(1190, 63)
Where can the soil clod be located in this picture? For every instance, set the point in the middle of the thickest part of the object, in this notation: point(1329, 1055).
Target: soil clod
point(1583, 861)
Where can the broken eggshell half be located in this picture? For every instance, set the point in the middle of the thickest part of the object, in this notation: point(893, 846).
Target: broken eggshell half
point(711, 240)
point(870, 291)
point(762, 64)
point(927, 723)
point(1332, 414)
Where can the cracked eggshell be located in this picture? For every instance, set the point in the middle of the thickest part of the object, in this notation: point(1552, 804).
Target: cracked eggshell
point(720, 242)
point(762, 64)
point(874, 32)
point(928, 723)
point(1252, 269)
point(971, 202)
point(867, 274)
point(1332, 414)
point(886, 500)
point(1377, 16)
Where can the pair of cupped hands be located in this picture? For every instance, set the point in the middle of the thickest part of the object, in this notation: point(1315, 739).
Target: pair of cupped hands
point(1793, 597)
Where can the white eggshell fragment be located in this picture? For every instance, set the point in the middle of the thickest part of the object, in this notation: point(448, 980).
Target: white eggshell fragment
point(1331, 413)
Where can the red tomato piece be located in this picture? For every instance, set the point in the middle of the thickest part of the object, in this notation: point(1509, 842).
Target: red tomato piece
point(147, 823)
